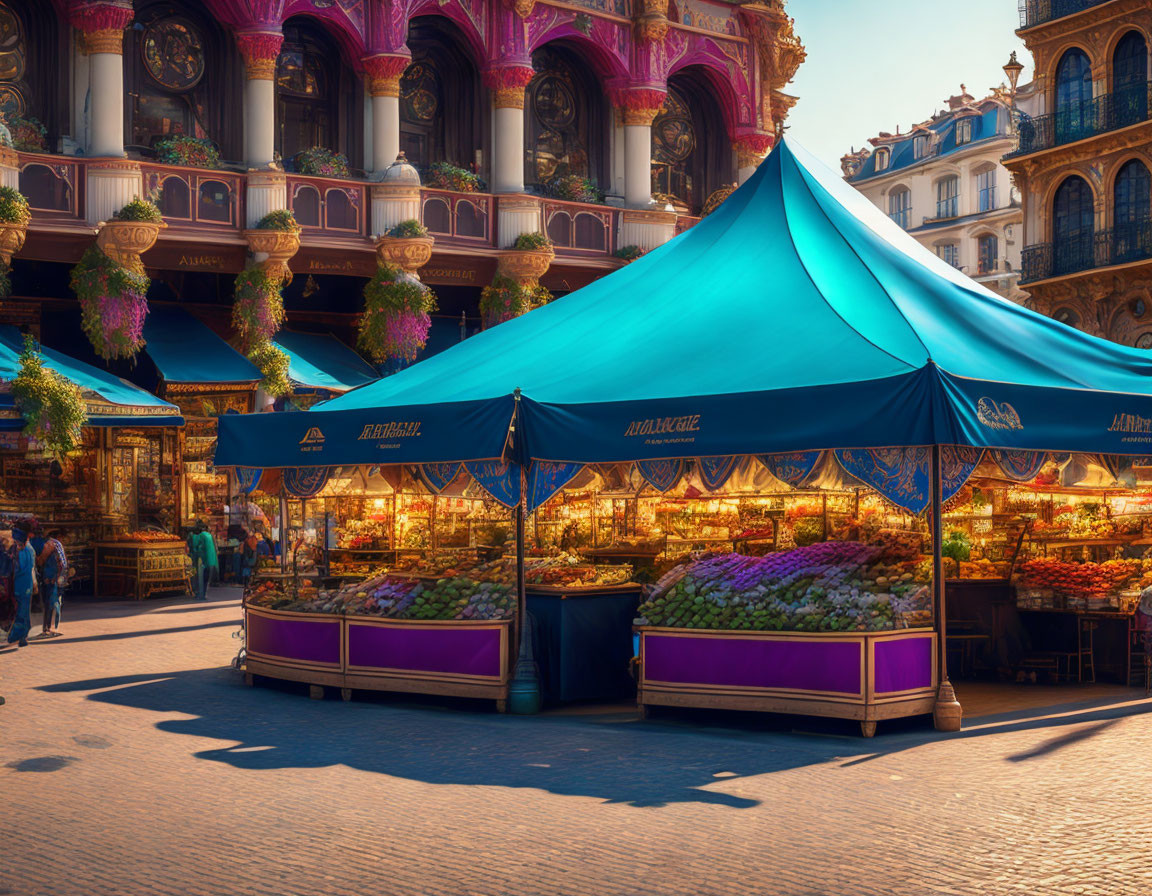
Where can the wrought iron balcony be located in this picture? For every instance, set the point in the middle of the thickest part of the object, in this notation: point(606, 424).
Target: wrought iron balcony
point(1122, 244)
point(1037, 12)
point(1099, 115)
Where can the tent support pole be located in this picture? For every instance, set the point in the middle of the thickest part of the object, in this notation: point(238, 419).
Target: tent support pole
point(948, 712)
point(524, 689)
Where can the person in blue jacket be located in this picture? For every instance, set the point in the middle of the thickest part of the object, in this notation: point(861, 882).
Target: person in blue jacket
point(23, 578)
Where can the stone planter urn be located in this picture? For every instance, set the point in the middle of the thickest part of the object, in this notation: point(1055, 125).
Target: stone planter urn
point(272, 250)
point(125, 241)
point(407, 253)
point(525, 266)
point(11, 240)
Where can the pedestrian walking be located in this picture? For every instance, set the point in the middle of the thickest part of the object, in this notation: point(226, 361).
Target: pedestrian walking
point(53, 578)
point(205, 562)
point(7, 592)
point(24, 576)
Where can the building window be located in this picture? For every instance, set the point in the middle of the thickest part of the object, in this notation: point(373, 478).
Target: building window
point(947, 197)
point(900, 206)
point(986, 190)
point(1073, 96)
point(881, 160)
point(963, 131)
point(166, 102)
point(919, 146)
point(1130, 79)
point(1073, 227)
point(988, 250)
point(1132, 210)
point(950, 253)
point(1067, 316)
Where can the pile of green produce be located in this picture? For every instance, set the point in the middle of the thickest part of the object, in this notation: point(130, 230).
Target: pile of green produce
point(830, 586)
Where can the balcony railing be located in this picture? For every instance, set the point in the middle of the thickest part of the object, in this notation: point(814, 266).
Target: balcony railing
point(1122, 244)
point(328, 205)
point(467, 218)
point(53, 185)
point(1108, 112)
point(578, 228)
point(195, 196)
point(1037, 12)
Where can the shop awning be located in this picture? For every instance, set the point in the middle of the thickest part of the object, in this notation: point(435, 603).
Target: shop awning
point(111, 401)
point(320, 362)
point(185, 350)
point(796, 317)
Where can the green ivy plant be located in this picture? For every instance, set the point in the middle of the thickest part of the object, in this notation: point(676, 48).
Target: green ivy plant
point(272, 362)
point(281, 219)
point(13, 210)
point(410, 229)
point(446, 176)
point(532, 242)
point(505, 299)
point(629, 253)
point(396, 318)
point(321, 162)
point(52, 407)
point(139, 210)
point(191, 152)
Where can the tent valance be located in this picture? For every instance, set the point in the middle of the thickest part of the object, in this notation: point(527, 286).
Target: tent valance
point(184, 350)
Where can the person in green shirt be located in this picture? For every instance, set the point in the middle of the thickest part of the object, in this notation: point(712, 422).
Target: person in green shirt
point(202, 548)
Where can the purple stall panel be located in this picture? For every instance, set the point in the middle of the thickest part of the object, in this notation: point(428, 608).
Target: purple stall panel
point(802, 665)
point(306, 640)
point(904, 664)
point(441, 649)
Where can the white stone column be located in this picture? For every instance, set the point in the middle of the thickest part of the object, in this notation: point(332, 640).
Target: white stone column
point(750, 150)
point(645, 229)
point(102, 25)
point(638, 108)
point(259, 49)
point(267, 192)
point(507, 85)
point(384, 73)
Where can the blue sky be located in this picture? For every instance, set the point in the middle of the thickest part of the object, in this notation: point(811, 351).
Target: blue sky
point(874, 65)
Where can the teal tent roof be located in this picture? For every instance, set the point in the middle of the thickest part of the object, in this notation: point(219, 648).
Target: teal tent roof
point(320, 361)
point(111, 400)
point(185, 350)
point(797, 316)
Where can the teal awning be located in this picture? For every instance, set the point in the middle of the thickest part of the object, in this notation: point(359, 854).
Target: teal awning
point(185, 350)
point(795, 317)
point(321, 362)
point(111, 400)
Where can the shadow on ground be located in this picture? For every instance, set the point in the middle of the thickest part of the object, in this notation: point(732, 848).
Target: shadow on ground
point(607, 753)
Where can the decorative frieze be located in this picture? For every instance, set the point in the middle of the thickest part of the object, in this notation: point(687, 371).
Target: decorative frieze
point(508, 85)
point(260, 50)
point(384, 71)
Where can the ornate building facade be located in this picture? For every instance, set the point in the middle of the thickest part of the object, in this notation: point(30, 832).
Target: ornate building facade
point(1083, 164)
point(942, 182)
point(647, 106)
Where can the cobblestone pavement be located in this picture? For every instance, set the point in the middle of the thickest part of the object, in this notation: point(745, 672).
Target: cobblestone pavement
point(134, 761)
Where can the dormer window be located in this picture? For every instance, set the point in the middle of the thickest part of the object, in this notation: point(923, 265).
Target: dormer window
point(881, 160)
point(963, 131)
point(919, 146)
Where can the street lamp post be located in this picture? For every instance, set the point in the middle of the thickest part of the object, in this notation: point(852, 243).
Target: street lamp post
point(1012, 69)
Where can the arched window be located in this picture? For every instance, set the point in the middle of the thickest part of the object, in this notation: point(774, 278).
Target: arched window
point(900, 206)
point(306, 206)
point(1130, 79)
point(564, 119)
point(314, 107)
point(1131, 210)
point(881, 160)
point(29, 75)
point(437, 215)
point(1073, 231)
point(339, 213)
point(691, 154)
point(442, 118)
point(988, 253)
point(948, 197)
point(1073, 96)
point(175, 198)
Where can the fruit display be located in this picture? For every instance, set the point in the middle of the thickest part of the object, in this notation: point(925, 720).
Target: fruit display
point(830, 586)
point(1077, 580)
point(143, 537)
point(365, 533)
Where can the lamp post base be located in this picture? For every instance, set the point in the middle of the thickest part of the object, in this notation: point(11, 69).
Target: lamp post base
point(948, 713)
point(524, 689)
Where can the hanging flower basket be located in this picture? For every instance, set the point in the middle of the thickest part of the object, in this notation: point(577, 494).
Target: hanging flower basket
point(276, 237)
point(272, 362)
point(52, 407)
point(14, 217)
point(407, 253)
point(505, 299)
point(257, 308)
point(396, 319)
point(113, 304)
point(524, 266)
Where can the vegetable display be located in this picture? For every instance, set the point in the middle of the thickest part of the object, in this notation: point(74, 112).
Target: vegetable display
point(830, 586)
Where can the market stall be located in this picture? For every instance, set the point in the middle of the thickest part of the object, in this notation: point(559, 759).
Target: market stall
point(122, 477)
point(861, 354)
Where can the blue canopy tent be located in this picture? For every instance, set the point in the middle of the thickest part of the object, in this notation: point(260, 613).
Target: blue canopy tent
point(111, 401)
point(319, 363)
point(184, 350)
point(795, 318)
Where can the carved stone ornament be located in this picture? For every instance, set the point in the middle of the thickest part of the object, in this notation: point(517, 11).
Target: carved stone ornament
point(751, 149)
point(652, 20)
point(507, 86)
point(384, 73)
point(277, 247)
point(407, 253)
point(125, 241)
point(638, 105)
point(260, 50)
point(12, 240)
point(102, 25)
point(522, 8)
point(525, 266)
